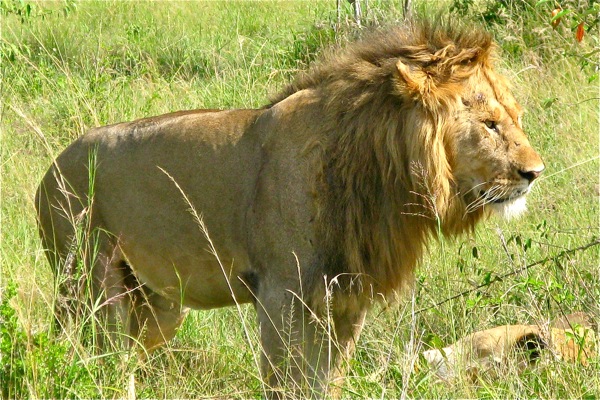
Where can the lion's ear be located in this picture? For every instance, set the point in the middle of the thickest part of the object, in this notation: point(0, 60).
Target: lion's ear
point(416, 82)
point(431, 86)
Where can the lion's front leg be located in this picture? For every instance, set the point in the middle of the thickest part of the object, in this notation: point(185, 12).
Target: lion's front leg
point(348, 318)
point(304, 354)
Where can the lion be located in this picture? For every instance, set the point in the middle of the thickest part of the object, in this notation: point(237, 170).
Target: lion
point(309, 208)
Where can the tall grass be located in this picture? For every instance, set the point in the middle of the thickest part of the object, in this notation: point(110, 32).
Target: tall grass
point(67, 67)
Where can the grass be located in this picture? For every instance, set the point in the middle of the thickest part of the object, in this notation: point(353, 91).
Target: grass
point(68, 66)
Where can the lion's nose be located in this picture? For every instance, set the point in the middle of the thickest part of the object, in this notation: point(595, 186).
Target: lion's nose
point(532, 174)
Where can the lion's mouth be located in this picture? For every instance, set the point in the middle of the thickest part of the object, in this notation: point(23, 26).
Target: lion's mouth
point(506, 199)
point(510, 205)
point(494, 198)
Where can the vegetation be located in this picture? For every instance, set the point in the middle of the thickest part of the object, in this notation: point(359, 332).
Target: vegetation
point(67, 66)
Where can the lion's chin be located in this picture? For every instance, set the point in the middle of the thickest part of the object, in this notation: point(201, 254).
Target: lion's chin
point(510, 208)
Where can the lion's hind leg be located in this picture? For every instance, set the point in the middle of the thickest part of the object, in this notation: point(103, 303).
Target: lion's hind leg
point(80, 252)
point(108, 293)
point(131, 314)
point(91, 292)
point(156, 318)
point(99, 296)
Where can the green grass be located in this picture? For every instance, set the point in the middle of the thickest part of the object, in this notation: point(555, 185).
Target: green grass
point(65, 70)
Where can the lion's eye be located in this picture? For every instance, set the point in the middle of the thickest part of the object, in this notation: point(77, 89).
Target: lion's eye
point(491, 125)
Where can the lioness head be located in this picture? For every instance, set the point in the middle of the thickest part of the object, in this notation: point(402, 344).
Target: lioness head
point(493, 163)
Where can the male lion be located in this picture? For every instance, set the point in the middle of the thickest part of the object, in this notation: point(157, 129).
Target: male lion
point(308, 208)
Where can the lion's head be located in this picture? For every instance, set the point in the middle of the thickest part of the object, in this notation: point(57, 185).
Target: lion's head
point(494, 165)
point(424, 136)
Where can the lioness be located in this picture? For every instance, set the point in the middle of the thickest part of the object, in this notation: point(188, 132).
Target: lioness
point(308, 208)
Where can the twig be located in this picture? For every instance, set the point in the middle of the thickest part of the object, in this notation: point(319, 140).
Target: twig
point(498, 278)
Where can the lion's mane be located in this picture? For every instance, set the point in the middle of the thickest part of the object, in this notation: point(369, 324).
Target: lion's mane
point(386, 184)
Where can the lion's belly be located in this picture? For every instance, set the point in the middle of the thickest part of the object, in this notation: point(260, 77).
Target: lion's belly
point(195, 279)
